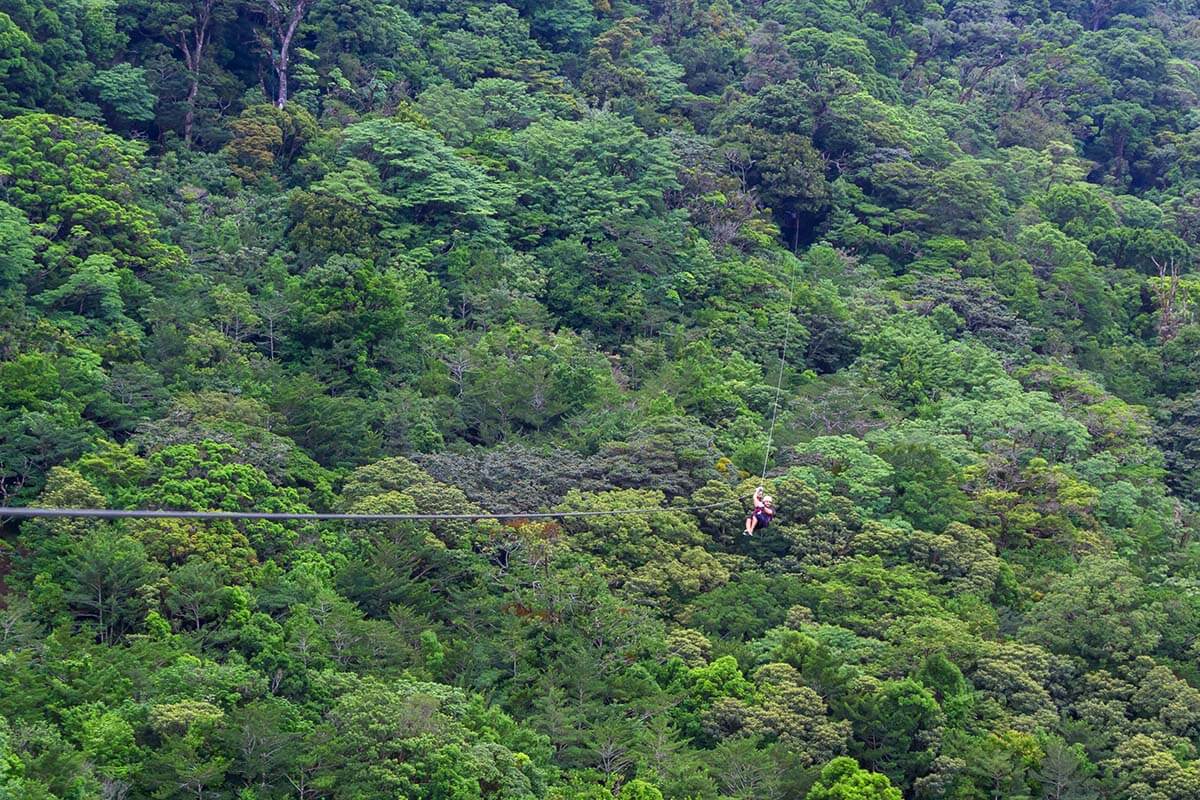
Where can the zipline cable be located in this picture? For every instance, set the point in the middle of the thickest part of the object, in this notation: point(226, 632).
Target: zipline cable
point(787, 332)
point(120, 513)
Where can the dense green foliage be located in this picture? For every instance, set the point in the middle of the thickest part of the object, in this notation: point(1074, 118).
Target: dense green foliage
point(406, 255)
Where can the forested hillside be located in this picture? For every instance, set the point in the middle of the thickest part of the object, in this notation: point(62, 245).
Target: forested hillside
point(395, 256)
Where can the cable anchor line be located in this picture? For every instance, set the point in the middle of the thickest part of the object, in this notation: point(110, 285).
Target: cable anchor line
point(787, 333)
point(30, 512)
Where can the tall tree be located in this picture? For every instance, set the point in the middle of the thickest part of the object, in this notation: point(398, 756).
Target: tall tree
point(105, 575)
point(190, 26)
point(283, 19)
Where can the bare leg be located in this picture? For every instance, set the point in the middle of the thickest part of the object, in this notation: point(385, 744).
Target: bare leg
point(751, 524)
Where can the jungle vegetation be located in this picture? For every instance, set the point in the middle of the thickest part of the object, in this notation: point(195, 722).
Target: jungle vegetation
point(419, 256)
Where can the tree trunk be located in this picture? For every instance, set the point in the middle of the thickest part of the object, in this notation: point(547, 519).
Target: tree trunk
point(284, 25)
point(1171, 305)
point(189, 116)
point(282, 75)
point(193, 57)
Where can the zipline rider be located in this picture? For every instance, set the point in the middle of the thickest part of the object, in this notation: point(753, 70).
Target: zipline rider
point(762, 513)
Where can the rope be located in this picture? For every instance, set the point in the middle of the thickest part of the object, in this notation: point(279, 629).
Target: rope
point(113, 513)
point(787, 332)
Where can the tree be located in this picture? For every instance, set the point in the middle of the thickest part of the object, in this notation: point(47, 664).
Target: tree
point(523, 379)
point(1180, 446)
point(47, 56)
point(960, 200)
point(584, 176)
point(283, 18)
point(794, 715)
point(610, 75)
point(408, 182)
point(78, 183)
point(640, 790)
point(789, 173)
point(266, 736)
point(743, 770)
point(195, 594)
point(16, 262)
point(1149, 766)
point(15, 45)
point(12, 782)
point(187, 757)
point(1172, 305)
point(768, 61)
point(41, 418)
point(108, 740)
point(265, 138)
point(843, 779)
point(354, 322)
point(126, 97)
point(189, 26)
point(897, 729)
point(416, 738)
point(1000, 763)
point(95, 290)
point(105, 578)
point(209, 476)
point(1100, 612)
point(926, 485)
point(845, 465)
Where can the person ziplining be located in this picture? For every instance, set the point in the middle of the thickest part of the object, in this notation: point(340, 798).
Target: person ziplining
point(762, 513)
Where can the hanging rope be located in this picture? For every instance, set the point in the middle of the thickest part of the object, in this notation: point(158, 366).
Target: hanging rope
point(787, 332)
point(115, 513)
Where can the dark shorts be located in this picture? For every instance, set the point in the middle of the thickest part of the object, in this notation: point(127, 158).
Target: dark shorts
point(761, 519)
